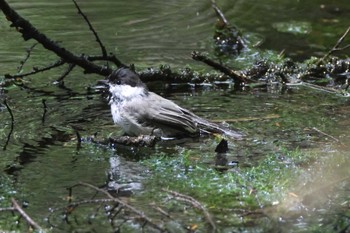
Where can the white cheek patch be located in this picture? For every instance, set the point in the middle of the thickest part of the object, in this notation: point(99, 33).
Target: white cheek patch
point(125, 92)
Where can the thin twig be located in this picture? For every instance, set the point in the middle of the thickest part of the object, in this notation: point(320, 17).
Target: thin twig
point(238, 78)
point(45, 110)
point(69, 69)
point(194, 203)
point(72, 205)
point(219, 13)
point(36, 70)
point(336, 46)
point(98, 40)
point(7, 209)
point(160, 210)
point(325, 134)
point(317, 87)
point(28, 31)
point(125, 205)
point(29, 50)
point(25, 215)
point(12, 124)
point(78, 140)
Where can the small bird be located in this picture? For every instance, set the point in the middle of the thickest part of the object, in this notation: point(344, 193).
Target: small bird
point(139, 111)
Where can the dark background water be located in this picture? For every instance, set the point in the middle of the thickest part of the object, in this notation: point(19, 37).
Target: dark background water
point(42, 156)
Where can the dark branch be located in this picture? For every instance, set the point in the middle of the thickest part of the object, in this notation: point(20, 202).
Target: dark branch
point(103, 48)
point(194, 203)
point(123, 204)
point(142, 140)
point(12, 124)
point(28, 31)
point(78, 140)
point(336, 47)
point(219, 13)
point(111, 58)
point(238, 78)
point(19, 68)
point(70, 68)
point(36, 70)
point(45, 110)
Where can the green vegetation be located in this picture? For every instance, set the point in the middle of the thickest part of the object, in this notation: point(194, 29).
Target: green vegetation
point(249, 188)
point(237, 196)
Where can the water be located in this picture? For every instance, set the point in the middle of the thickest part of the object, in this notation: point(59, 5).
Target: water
point(42, 157)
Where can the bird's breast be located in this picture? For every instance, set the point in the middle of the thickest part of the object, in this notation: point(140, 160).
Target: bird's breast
point(116, 108)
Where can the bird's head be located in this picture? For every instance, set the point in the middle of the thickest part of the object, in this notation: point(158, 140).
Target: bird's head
point(125, 84)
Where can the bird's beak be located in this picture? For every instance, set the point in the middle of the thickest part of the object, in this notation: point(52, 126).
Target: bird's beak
point(102, 82)
point(102, 86)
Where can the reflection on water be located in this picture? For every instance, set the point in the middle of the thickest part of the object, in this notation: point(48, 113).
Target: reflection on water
point(42, 154)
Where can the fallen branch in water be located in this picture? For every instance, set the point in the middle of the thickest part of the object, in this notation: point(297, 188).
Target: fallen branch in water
point(29, 50)
point(228, 39)
point(28, 219)
point(238, 78)
point(326, 134)
point(123, 204)
point(12, 124)
point(98, 40)
point(142, 140)
point(28, 31)
point(17, 208)
point(36, 70)
point(336, 47)
point(194, 203)
point(269, 73)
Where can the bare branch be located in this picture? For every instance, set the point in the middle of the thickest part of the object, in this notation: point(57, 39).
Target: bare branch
point(123, 204)
point(142, 140)
point(29, 50)
point(103, 48)
point(111, 58)
point(29, 220)
point(336, 47)
point(7, 209)
point(327, 135)
point(238, 78)
point(45, 110)
point(70, 68)
point(28, 31)
point(194, 203)
point(36, 70)
point(12, 125)
point(219, 13)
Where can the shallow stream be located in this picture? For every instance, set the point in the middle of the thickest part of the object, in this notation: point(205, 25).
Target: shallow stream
point(42, 157)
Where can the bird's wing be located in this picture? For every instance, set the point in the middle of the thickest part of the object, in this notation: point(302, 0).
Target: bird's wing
point(177, 118)
point(165, 114)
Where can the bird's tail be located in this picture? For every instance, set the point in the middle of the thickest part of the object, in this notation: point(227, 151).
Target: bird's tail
point(210, 127)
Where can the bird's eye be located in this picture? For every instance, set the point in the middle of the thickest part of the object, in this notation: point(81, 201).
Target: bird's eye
point(118, 82)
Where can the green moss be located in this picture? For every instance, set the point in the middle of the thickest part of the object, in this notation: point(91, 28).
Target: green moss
point(249, 187)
